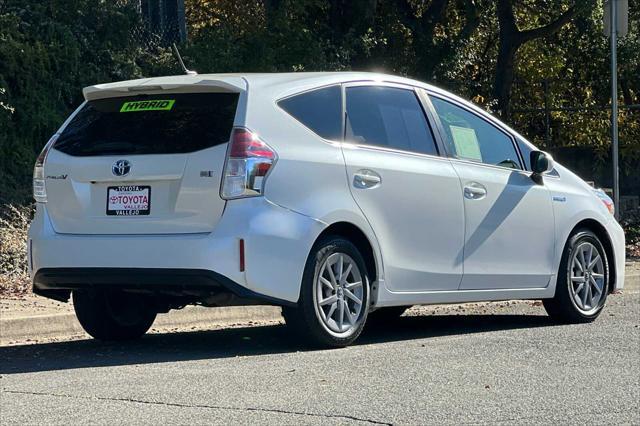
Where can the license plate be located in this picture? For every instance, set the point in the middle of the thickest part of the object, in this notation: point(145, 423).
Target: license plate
point(128, 200)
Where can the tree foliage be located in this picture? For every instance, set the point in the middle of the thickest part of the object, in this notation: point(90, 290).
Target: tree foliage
point(497, 53)
point(49, 50)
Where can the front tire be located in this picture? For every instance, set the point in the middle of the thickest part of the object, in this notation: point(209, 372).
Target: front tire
point(334, 298)
point(111, 315)
point(583, 280)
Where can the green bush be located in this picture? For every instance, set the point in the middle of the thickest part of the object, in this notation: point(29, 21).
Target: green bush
point(49, 50)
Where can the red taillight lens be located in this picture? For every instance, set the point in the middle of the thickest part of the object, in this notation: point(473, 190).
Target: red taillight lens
point(245, 144)
point(39, 187)
point(248, 161)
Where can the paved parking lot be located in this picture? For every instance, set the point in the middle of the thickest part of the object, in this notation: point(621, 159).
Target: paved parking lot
point(496, 363)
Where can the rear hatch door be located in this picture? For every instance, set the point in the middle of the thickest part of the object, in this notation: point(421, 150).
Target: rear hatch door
point(141, 164)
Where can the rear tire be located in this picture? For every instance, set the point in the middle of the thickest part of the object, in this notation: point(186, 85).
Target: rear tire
point(334, 298)
point(583, 280)
point(107, 315)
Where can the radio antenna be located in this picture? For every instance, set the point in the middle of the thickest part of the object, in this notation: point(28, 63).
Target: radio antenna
point(176, 52)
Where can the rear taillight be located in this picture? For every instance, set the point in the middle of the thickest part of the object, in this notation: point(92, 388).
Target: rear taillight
point(39, 186)
point(248, 162)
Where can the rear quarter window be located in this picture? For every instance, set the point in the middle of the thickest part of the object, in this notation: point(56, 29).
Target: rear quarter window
point(320, 110)
point(150, 124)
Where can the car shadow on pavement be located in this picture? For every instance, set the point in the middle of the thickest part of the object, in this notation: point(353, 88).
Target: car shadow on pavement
point(247, 341)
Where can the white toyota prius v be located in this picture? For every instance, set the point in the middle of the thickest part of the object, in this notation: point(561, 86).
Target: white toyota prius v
point(337, 196)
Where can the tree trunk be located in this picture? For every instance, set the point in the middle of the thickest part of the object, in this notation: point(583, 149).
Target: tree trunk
point(510, 41)
point(431, 17)
point(352, 18)
point(352, 15)
point(627, 96)
point(505, 71)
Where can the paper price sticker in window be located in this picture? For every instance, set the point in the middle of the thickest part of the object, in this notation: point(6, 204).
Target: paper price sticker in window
point(466, 143)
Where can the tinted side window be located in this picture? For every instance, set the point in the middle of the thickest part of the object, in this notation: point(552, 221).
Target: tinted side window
point(471, 138)
point(320, 110)
point(388, 116)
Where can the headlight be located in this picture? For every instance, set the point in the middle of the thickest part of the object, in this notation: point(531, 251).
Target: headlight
point(606, 200)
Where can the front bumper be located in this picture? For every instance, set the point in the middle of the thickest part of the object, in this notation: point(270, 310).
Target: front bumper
point(616, 234)
point(277, 242)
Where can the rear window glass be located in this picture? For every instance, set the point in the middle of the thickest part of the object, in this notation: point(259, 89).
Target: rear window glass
point(150, 124)
point(320, 110)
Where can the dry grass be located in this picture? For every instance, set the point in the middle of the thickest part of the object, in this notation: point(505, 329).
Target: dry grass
point(14, 222)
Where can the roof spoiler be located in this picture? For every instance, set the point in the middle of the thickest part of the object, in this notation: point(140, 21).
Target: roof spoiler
point(175, 84)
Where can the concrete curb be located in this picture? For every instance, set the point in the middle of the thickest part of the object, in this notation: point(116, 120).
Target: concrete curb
point(39, 327)
point(64, 325)
point(23, 329)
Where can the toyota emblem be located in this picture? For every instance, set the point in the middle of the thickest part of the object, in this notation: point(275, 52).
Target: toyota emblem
point(121, 168)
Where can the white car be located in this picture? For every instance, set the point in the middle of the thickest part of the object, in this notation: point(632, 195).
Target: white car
point(333, 195)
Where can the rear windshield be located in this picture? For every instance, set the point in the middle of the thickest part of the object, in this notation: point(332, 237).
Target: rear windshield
point(150, 124)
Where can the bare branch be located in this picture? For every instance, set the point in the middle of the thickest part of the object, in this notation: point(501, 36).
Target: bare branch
point(551, 28)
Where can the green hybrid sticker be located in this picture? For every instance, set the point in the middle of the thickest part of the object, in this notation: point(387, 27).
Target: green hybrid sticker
point(155, 105)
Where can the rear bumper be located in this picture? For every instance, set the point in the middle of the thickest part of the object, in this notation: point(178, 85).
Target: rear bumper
point(277, 242)
point(56, 282)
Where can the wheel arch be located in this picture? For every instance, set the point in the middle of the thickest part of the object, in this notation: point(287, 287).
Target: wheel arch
point(354, 234)
point(601, 232)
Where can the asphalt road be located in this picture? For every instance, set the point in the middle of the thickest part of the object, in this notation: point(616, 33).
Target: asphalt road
point(503, 363)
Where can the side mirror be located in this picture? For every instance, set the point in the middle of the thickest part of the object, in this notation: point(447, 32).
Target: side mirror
point(541, 163)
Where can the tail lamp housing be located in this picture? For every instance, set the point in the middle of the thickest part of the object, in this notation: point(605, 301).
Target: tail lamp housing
point(39, 184)
point(248, 162)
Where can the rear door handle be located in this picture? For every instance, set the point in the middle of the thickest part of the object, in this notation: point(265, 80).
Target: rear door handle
point(366, 178)
point(474, 191)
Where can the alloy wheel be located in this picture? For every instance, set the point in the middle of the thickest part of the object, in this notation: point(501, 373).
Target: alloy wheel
point(586, 278)
point(339, 294)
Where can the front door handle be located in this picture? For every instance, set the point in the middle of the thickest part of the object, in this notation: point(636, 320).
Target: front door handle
point(474, 191)
point(366, 178)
